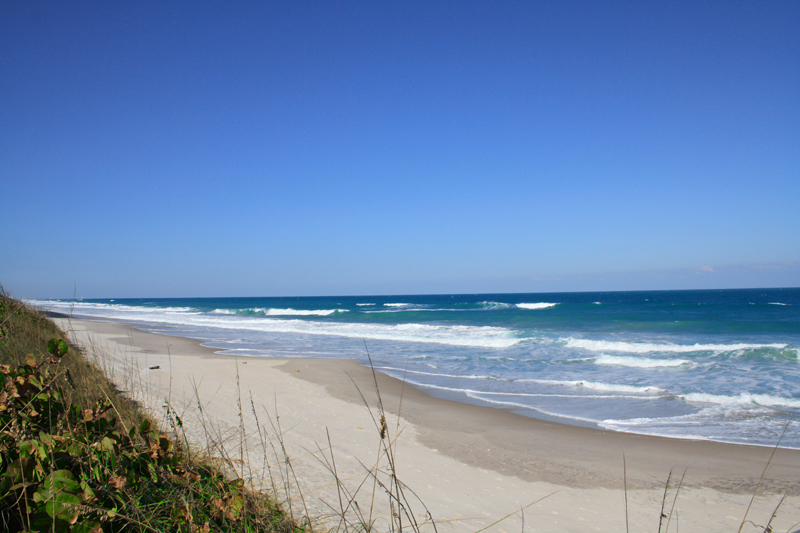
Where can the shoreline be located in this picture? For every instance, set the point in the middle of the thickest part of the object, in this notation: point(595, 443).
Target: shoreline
point(453, 447)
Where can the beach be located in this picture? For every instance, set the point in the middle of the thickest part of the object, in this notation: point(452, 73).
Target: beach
point(467, 465)
point(709, 365)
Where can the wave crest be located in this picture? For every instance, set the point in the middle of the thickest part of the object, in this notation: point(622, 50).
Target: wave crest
point(639, 362)
point(539, 305)
point(646, 347)
point(745, 398)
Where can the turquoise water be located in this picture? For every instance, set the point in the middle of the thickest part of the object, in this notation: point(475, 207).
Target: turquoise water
point(720, 365)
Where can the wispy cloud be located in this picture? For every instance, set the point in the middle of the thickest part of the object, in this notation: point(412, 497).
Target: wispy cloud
point(782, 265)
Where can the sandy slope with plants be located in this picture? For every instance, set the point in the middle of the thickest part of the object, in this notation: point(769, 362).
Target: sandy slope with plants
point(297, 426)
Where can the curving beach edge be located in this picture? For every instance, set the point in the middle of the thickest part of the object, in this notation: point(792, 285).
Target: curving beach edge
point(469, 466)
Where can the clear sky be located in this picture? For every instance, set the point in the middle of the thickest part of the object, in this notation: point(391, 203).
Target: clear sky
point(312, 148)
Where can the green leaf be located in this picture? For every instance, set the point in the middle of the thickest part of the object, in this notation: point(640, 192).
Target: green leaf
point(151, 468)
point(235, 506)
point(59, 491)
point(43, 522)
point(63, 506)
point(35, 382)
point(25, 448)
point(57, 347)
point(106, 445)
point(60, 481)
point(20, 469)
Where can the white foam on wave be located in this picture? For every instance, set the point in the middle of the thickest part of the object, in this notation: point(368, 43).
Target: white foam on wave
point(743, 399)
point(599, 386)
point(475, 336)
point(777, 303)
point(538, 409)
point(278, 312)
point(405, 310)
point(299, 312)
point(646, 347)
point(494, 305)
point(639, 362)
point(396, 305)
point(364, 304)
point(436, 374)
point(485, 337)
point(757, 428)
point(472, 393)
point(539, 305)
point(100, 309)
point(627, 390)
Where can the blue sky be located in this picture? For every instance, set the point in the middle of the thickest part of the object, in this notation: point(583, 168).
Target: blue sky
point(312, 148)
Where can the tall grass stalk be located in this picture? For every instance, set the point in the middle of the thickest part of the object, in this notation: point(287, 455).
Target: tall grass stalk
point(764, 473)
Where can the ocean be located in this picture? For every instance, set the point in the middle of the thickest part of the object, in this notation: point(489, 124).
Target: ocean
point(721, 365)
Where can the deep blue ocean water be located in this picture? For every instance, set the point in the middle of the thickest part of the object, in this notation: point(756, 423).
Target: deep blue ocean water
point(719, 364)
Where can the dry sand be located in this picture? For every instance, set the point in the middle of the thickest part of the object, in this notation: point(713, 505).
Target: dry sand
point(469, 465)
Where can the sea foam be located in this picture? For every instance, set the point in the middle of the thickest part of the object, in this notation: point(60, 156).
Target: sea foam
point(598, 386)
point(639, 362)
point(743, 399)
point(494, 305)
point(300, 312)
point(540, 305)
point(646, 347)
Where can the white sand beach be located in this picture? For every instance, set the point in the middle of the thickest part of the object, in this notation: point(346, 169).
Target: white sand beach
point(464, 467)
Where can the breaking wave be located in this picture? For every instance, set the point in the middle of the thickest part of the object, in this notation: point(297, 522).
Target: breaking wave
point(646, 347)
point(639, 362)
point(540, 305)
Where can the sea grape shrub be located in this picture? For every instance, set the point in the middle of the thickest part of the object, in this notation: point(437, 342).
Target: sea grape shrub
point(43, 447)
point(66, 468)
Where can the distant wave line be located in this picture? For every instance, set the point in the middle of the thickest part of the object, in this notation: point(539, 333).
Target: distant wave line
point(643, 347)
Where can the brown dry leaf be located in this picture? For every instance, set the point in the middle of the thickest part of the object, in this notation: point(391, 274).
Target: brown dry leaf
point(222, 505)
point(116, 482)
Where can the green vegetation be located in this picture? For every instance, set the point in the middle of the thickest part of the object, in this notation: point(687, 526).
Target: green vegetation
point(77, 456)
